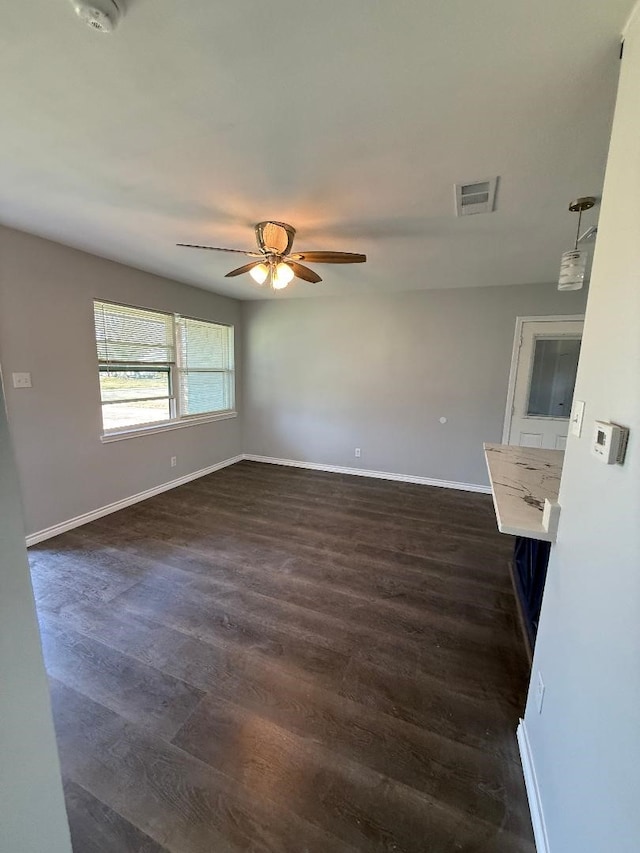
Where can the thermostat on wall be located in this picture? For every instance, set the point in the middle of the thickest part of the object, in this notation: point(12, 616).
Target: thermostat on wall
point(609, 442)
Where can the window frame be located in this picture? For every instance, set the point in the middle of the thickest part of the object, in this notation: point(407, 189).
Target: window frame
point(176, 369)
point(181, 368)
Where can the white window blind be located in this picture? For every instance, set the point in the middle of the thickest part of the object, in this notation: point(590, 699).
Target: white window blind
point(205, 367)
point(126, 335)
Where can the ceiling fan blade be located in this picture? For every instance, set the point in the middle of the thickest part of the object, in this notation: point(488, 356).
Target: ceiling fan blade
point(329, 257)
point(303, 272)
point(242, 270)
point(218, 249)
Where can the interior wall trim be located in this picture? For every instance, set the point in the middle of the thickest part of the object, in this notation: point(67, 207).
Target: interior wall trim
point(79, 520)
point(85, 518)
point(363, 472)
point(533, 791)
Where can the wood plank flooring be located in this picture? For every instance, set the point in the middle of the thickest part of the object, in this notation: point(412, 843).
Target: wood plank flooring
point(274, 659)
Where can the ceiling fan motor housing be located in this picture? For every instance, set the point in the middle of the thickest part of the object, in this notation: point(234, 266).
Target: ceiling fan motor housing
point(100, 15)
point(275, 238)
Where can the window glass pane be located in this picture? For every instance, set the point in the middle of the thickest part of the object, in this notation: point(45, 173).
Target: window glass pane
point(553, 378)
point(133, 383)
point(123, 415)
point(205, 392)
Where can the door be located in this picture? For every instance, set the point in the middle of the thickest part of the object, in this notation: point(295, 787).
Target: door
point(544, 375)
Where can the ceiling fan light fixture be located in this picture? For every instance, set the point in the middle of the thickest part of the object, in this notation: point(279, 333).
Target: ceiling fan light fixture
point(281, 276)
point(259, 273)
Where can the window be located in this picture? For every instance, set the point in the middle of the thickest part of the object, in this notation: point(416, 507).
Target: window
point(205, 377)
point(160, 369)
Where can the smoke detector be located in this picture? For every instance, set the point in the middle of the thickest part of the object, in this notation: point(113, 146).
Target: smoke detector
point(100, 15)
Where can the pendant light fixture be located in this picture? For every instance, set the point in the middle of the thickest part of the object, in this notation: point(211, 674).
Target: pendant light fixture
point(574, 262)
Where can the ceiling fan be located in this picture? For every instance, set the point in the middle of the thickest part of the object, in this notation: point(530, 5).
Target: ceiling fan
point(274, 259)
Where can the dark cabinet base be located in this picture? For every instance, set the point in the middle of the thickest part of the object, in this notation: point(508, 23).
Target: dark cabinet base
point(530, 560)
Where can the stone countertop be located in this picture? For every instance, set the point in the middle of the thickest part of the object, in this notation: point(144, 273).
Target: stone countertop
point(521, 479)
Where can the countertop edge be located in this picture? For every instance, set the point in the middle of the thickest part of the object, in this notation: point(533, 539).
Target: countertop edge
point(531, 531)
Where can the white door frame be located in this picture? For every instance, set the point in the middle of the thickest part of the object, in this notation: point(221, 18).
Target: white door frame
point(515, 353)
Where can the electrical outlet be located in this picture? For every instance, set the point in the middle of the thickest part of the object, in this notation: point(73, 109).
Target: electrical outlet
point(357, 453)
point(174, 461)
point(539, 692)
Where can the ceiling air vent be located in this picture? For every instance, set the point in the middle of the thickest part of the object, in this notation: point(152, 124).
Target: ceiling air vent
point(478, 197)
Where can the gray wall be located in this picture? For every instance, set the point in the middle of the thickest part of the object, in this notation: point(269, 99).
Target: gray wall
point(32, 815)
point(324, 376)
point(586, 741)
point(46, 328)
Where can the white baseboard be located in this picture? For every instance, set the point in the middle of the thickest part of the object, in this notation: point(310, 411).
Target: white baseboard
point(363, 472)
point(533, 792)
point(79, 520)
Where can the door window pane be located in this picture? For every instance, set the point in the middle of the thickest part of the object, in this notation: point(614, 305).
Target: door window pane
point(553, 378)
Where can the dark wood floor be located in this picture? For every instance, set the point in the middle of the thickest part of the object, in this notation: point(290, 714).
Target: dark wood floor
point(272, 659)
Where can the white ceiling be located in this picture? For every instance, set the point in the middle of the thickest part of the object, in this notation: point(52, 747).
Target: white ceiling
point(350, 119)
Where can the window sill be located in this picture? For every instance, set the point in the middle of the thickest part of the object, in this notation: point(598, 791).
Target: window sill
point(136, 432)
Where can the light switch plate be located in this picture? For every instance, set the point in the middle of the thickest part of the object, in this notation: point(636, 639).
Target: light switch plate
point(577, 416)
point(21, 380)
